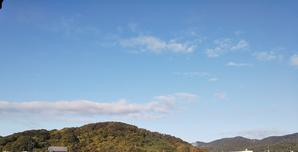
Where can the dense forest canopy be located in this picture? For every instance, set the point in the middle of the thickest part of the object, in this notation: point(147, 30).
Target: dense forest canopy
point(99, 137)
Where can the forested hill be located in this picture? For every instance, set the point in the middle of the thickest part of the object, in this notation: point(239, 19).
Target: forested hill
point(98, 137)
point(274, 143)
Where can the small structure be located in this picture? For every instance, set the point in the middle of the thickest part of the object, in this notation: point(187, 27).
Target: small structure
point(57, 149)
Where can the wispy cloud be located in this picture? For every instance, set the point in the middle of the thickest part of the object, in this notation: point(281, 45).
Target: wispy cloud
point(85, 108)
point(72, 27)
point(193, 74)
point(205, 75)
point(268, 56)
point(294, 60)
point(213, 79)
point(239, 32)
point(226, 45)
point(185, 96)
point(80, 107)
point(235, 64)
point(157, 45)
point(220, 95)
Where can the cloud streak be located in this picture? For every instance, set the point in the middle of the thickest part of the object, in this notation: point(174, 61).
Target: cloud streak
point(220, 95)
point(206, 75)
point(294, 60)
point(226, 45)
point(157, 106)
point(268, 56)
point(235, 64)
point(156, 45)
point(79, 107)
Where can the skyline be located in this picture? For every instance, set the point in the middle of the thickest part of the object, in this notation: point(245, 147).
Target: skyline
point(198, 70)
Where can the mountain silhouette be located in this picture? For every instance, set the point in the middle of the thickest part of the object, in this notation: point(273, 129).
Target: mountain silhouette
point(274, 143)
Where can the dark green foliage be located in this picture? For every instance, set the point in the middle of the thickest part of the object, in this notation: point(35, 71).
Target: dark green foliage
point(99, 137)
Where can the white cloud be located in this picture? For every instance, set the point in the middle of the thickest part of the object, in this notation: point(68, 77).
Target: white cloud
point(73, 28)
point(193, 74)
point(239, 32)
point(226, 45)
point(294, 60)
point(205, 75)
point(181, 96)
point(186, 96)
point(234, 64)
point(133, 27)
point(145, 116)
point(213, 79)
point(220, 95)
point(80, 107)
point(77, 120)
point(268, 56)
point(69, 110)
point(242, 44)
point(157, 45)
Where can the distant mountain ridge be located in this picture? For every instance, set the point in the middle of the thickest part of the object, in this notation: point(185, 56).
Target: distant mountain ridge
point(98, 137)
point(274, 143)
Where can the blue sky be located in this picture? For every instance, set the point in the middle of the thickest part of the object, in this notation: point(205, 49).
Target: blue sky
point(199, 70)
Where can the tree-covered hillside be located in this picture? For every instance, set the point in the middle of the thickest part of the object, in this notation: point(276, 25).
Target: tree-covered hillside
point(274, 144)
point(99, 137)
